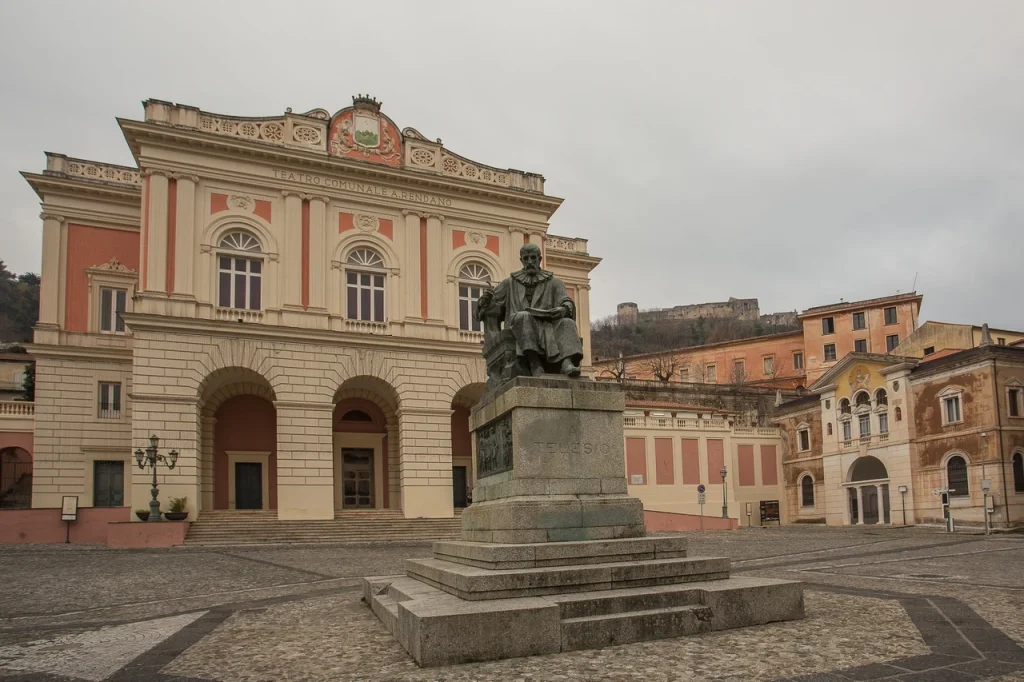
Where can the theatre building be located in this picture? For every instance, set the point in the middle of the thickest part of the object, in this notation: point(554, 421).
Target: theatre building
point(286, 301)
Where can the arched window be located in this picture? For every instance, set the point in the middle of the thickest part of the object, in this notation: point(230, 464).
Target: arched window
point(240, 272)
point(844, 406)
point(1018, 473)
point(956, 477)
point(473, 279)
point(898, 413)
point(364, 285)
point(881, 398)
point(356, 416)
point(807, 491)
point(829, 428)
point(862, 398)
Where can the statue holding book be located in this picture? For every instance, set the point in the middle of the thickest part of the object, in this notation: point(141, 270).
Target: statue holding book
point(529, 324)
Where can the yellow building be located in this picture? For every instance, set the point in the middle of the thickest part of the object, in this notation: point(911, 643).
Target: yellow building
point(286, 301)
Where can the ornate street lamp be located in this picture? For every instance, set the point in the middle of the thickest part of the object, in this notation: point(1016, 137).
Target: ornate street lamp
point(150, 457)
point(725, 507)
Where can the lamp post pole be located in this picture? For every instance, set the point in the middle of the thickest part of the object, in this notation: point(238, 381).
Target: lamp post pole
point(150, 457)
point(725, 506)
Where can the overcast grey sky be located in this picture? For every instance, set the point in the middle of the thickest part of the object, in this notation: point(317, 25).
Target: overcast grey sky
point(797, 152)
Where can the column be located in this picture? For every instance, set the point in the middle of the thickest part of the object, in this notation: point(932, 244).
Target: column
point(154, 236)
point(860, 506)
point(291, 250)
point(410, 277)
point(52, 283)
point(537, 238)
point(305, 460)
point(881, 506)
point(318, 252)
point(583, 321)
point(435, 267)
point(184, 235)
point(425, 436)
point(517, 237)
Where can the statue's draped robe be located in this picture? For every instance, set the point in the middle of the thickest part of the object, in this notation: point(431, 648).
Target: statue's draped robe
point(552, 340)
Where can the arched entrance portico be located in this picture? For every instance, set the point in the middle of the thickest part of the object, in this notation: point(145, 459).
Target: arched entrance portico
point(239, 441)
point(463, 471)
point(365, 446)
point(867, 491)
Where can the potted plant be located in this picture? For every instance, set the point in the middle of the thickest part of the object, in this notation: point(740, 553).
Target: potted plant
point(142, 514)
point(177, 509)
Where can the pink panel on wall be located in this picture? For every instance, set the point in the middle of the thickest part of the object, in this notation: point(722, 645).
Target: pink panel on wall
point(345, 222)
point(663, 461)
point(716, 459)
point(691, 462)
point(745, 457)
point(263, 208)
point(458, 239)
point(89, 246)
point(493, 244)
point(769, 472)
point(636, 459)
point(387, 229)
point(218, 203)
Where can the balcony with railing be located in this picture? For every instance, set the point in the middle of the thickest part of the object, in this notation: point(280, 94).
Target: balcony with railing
point(17, 416)
point(239, 315)
point(635, 421)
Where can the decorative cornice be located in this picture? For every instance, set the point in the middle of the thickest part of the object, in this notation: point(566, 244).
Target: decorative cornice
point(185, 176)
point(159, 398)
point(436, 216)
point(303, 405)
point(319, 197)
point(146, 172)
point(409, 212)
point(113, 267)
point(52, 216)
point(292, 193)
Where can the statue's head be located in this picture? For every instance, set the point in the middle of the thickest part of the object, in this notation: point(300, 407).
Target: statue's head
point(529, 256)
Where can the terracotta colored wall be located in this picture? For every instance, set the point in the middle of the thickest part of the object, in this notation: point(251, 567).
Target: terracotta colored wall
point(977, 408)
point(136, 535)
point(16, 440)
point(87, 247)
point(691, 461)
point(745, 460)
point(44, 525)
point(716, 458)
point(245, 422)
point(657, 521)
point(769, 466)
point(663, 461)
point(636, 459)
point(461, 443)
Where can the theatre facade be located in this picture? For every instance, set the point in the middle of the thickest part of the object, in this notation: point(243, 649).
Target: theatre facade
point(285, 301)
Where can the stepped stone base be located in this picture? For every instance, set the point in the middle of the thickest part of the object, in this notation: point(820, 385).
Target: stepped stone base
point(550, 597)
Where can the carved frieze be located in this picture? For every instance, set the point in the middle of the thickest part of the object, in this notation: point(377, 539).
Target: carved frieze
point(494, 447)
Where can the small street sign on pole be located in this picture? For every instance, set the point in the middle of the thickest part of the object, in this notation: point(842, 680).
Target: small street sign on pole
point(701, 501)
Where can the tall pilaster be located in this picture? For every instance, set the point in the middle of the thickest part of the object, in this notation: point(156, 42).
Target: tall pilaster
point(435, 267)
point(411, 271)
point(291, 250)
point(583, 321)
point(185, 235)
point(318, 252)
point(518, 238)
point(154, 237)
point(52, 277)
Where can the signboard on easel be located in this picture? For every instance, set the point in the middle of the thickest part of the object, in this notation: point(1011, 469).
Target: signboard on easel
point(68, 513)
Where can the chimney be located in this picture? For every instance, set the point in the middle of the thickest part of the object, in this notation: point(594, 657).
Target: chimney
point(986, 337)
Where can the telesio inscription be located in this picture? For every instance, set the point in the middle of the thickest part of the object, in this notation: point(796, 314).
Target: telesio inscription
point(494, 447)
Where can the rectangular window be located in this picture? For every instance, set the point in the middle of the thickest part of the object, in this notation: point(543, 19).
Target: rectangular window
point(110, 400)
point(929, 350)
point(864, 425)
point(739, 372)
point(112, 304)
point(951, 409)
point(711, 374)
point(860, 346)
point(684, 374)
point(798, 360)
point(830, 352)
point(365, 296)
point(1001, 341)
point(805, 440)
point(891, 342)
point(883, 422)
point(1014, 400)
point(108, 484)
point(240, 283)
point(890, 315)
point(768, 366)
point(468, 297)
point(847, 431)
point(859, 322)
point(828, 325)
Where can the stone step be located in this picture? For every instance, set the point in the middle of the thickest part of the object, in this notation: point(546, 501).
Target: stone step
point(590, 604)
point(593, 632)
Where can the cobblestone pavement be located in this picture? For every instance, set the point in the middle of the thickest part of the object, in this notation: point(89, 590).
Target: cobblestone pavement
point(886, 603)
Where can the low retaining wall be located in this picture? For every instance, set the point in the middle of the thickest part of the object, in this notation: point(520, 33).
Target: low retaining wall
point(44, 525)
point(129, 535)
point(670, 521)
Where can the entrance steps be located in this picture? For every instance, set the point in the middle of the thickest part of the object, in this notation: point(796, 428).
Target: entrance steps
point(262, 527)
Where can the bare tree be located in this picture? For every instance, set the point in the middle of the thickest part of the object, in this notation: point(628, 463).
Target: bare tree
point(698, 371)
point(664, 365)
point(774, 369)
point(739, 372)
point(616, 371)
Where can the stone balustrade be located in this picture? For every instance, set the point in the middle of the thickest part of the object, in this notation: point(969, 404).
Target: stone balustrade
point(17, 408)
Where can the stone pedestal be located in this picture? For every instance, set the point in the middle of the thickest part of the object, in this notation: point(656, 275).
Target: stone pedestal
point(550, 464)
point(553, 555)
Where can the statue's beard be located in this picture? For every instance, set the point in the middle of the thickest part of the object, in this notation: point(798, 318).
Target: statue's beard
point(531, 269)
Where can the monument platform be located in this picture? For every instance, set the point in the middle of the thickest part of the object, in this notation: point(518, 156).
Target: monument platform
point(554, 554)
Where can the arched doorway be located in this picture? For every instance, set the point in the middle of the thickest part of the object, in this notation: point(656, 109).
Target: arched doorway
point(15, 478)
point(463, 471)
point(868, 492)
point(239, 441)
point(366, 462)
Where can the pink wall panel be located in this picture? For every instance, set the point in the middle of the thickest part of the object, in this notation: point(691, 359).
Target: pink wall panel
point(769, 472)
point(636, 459)
point(716, 458)
point(663, 461)
point(745, 457)
point(691, 462)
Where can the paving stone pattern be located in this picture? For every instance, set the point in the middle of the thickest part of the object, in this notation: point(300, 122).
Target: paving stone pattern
point(893, 604)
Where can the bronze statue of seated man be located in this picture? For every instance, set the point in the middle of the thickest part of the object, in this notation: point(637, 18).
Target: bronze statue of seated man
point(534, 306)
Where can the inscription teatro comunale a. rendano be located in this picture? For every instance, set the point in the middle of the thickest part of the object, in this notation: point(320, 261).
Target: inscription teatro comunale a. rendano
point(361, 188)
